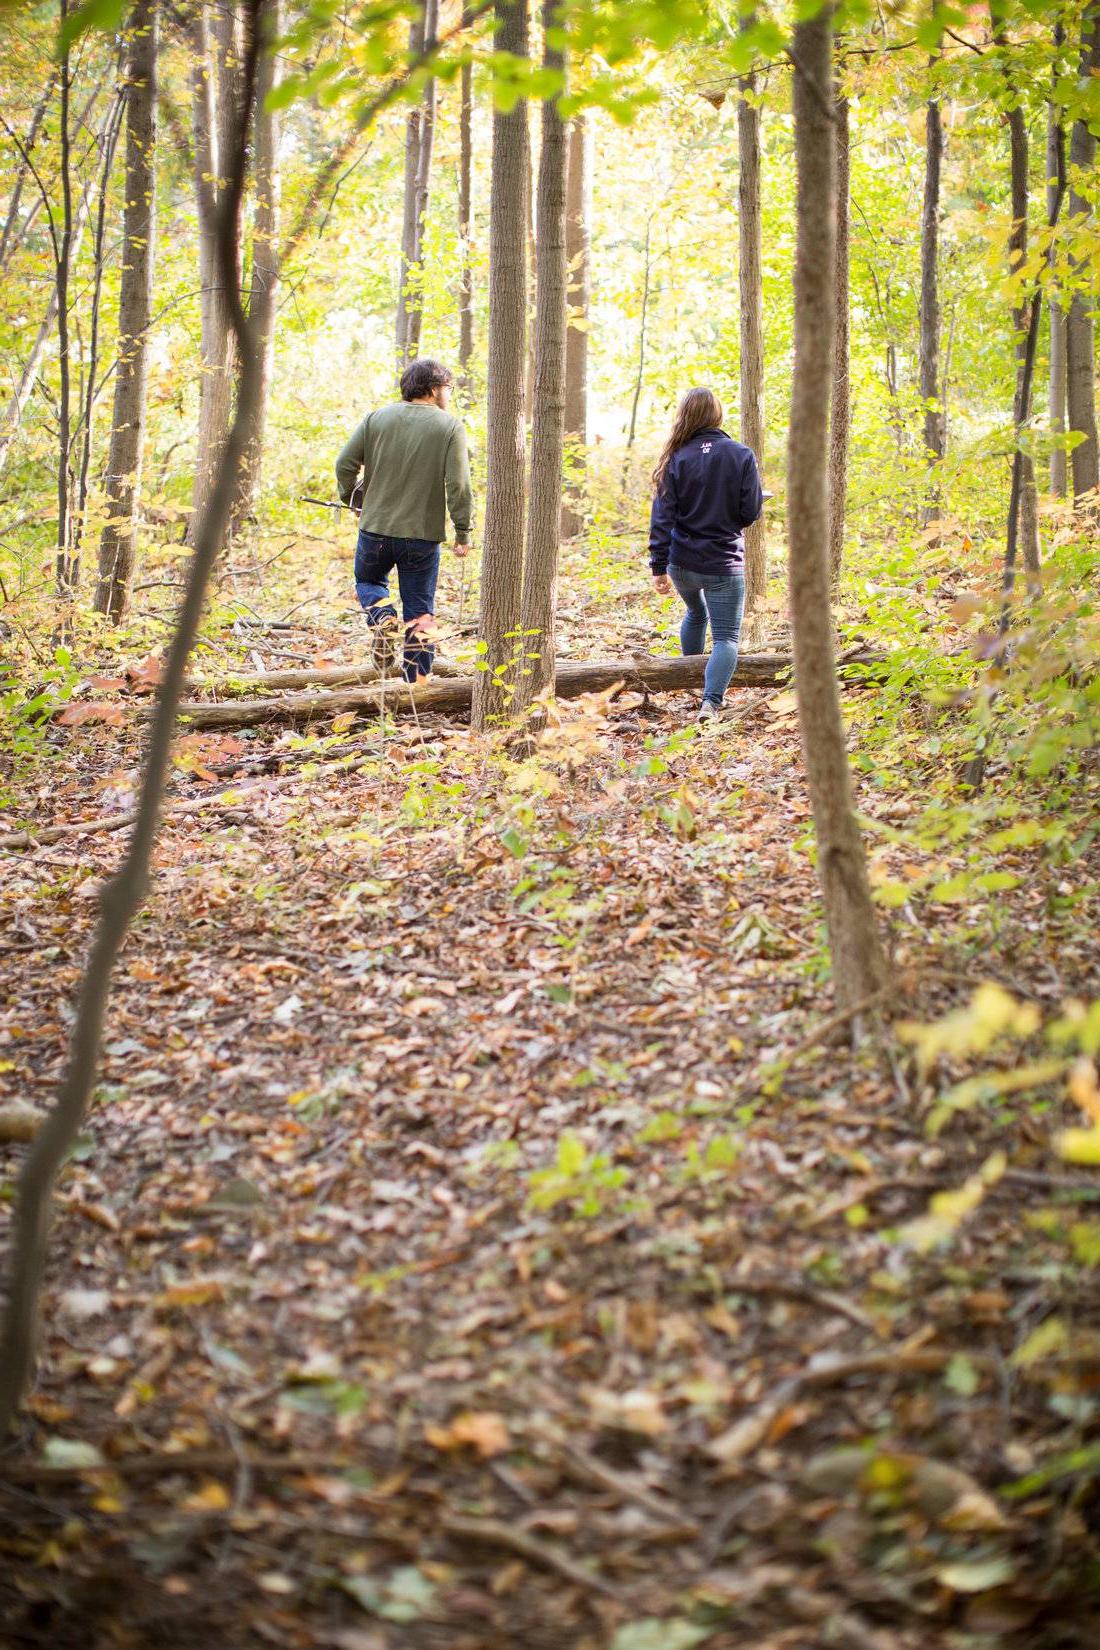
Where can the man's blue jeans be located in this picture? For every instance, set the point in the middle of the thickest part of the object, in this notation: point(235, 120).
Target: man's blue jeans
point(417, 564)
point(719, 597)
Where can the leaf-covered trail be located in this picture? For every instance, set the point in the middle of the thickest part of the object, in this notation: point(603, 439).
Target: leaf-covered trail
point(449, 1210)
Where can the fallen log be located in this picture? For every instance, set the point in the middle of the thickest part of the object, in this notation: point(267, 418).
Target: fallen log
point(453, 696)
point(331, 677)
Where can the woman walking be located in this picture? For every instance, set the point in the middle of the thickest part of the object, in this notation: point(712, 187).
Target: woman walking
point(706, 491)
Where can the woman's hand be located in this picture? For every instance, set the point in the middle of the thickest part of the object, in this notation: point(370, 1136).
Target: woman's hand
point(662, 584)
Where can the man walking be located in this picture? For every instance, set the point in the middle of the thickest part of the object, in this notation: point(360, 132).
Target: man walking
point(414, 465)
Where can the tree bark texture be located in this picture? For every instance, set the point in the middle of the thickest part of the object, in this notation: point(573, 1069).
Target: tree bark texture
point(465, 216)
point(1017, 254)
point(419, 137)
point(215, 76)
point(841, 400)
point(751, 293)
point(931, 390)
point(577, 253)
point(122, 896)
point(540, 578)
point(1080, 348)
point(502, 556)
point(117, 545)
point(1056, 400)
point(859, 966)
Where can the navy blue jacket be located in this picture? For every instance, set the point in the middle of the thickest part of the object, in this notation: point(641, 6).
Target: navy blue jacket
point(711, 494)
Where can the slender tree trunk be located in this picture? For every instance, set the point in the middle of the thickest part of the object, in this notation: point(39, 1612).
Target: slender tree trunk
point(117, 545)
point(12, 232)
point(419, 135)
point(931, 390)
point(576, 337)
point(265, 256)
point(1017, 253)
point(751, 291)
point(643, 338)
point(1056, 405)
point(13, 412)
point(465, 218)
point(548, 429)
point(90, 366)
point(216, 99)
point(502, 559)
point(859, 966)
point(840, 421)
point(124, 893)
point(1080, 352)
point(64, 265)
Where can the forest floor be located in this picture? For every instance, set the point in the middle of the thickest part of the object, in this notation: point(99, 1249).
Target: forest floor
point(485, 1236)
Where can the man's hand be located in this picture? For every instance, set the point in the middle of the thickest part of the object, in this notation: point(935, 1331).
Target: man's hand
point(459, 549)
point(662, 584)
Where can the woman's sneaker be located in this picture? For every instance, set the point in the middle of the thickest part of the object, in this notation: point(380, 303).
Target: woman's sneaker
point(708, 712)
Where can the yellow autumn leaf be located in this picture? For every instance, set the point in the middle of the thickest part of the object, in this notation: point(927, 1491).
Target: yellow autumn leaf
point(1079, 1146)
point(196, 1292)
point(209, 1497)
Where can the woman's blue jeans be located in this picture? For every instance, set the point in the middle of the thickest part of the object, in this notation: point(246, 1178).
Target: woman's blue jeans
point(719, 598)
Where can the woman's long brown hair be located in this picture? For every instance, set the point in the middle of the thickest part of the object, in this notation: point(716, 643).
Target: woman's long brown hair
point(700, 409)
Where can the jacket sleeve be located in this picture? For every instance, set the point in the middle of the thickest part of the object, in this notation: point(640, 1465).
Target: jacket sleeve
point(751, 501)
point(460, 493)
point(662, 519)
point(352, 459)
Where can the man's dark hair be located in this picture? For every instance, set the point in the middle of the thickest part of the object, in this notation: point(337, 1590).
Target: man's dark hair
point(420, 378)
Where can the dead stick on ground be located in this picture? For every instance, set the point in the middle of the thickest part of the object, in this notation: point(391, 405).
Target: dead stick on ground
point(805, 1292)
point(738, 1442)
point(589, 1470)
point(162, 1463)
point(495, 1534)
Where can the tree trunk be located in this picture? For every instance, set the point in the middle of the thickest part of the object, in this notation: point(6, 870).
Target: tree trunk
point(465, 218)
point(1056, 404)
point(122, 895)
point(931, 391)
point(840, 421)
point(117, 545)
point(264, 283)
point(419, 135)
point(859, 966)
point(502, 558)
point(1080, 362)
point(532, 276)
point(215, 101)
point(751, 292)
point(1017, 255)
point(544, 512)
point(576, 337)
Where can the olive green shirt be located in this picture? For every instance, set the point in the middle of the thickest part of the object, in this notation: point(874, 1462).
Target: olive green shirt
point(414, 462)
